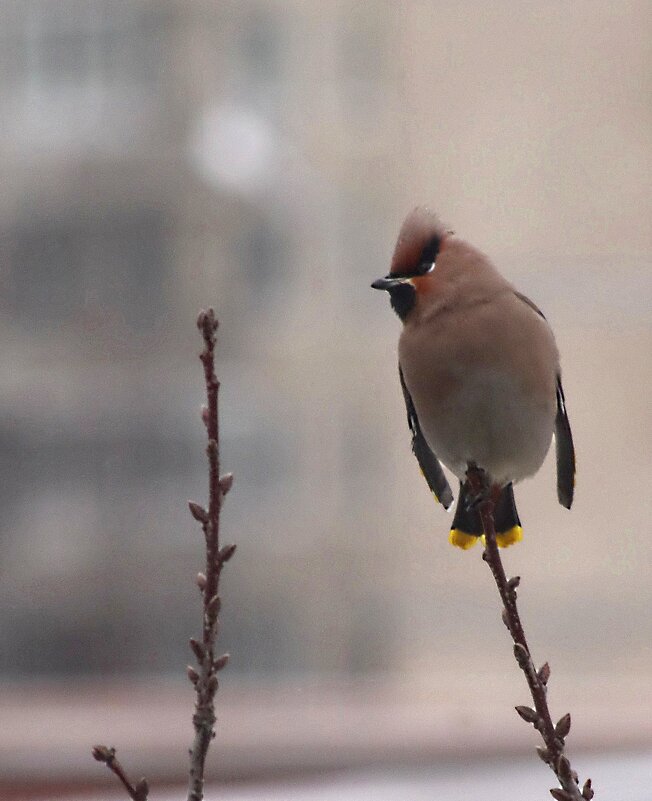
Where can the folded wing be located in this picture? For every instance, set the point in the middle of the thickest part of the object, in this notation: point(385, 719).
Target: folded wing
point(565, 451)
point(428, 462)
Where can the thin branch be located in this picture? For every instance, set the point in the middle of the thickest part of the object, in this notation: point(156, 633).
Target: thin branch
point(205, 678)
point(553, 735)
point(138, 791)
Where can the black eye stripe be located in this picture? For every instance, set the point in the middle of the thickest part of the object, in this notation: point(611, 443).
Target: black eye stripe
point(422, 269)
point(430, 251)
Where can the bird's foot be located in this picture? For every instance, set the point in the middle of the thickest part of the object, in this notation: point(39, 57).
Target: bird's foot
point(478, 485)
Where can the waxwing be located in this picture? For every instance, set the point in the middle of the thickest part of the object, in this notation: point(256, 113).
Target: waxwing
point(480, 375)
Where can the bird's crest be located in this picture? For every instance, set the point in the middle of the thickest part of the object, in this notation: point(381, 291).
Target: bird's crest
point(420, 235)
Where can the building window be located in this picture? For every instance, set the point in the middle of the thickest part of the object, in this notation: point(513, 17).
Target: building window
point(69, 66)
point(262, 255)
point(68, 270)
point(73, 44)
point(260, 61)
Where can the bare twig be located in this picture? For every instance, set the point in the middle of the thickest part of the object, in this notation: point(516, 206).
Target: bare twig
point(205, 678)
point(553, 735)
point(138, 791)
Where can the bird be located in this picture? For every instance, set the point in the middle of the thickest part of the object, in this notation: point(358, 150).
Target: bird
point(480, 374)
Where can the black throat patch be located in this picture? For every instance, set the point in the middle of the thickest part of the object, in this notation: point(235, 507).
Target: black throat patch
point(403, 297)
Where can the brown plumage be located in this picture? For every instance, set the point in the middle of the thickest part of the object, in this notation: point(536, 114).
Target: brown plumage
point(418, 229)
point(479, 368)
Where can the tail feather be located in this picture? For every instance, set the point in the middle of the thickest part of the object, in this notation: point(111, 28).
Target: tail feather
point(467, 524)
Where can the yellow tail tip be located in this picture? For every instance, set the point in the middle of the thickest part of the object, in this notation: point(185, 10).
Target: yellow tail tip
point(510, 537)
point(507, 538)
point(462, 540)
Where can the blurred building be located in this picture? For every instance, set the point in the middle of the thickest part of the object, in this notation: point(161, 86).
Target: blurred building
point(156, 157)
point(143, 147)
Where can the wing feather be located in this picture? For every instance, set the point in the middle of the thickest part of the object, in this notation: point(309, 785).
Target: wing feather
point(428, 462)
point(565, 451)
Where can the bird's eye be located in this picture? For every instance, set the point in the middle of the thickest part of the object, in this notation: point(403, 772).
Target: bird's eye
point(429, 254)
point(426, 267)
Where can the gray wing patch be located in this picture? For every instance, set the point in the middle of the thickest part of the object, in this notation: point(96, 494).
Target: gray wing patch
point(428, 462)
point(565, 451)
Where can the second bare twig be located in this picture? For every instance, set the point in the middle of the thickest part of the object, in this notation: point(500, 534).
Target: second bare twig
point(205, 678)
point(553, 735)
point(138, 791)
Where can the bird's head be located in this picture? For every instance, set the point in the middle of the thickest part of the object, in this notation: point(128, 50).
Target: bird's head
point(419, 242)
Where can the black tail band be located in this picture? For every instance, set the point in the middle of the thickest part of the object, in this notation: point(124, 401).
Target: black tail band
point(467, 518)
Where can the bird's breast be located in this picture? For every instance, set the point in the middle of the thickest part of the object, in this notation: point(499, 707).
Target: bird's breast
point(481, 396)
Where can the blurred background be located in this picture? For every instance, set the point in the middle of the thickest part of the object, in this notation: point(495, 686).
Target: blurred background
point(259, 157)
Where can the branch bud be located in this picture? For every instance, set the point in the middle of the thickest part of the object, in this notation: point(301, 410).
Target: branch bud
point(528, 714)
point(522, 655)
point(192, 674)
point(207, 322)
point(141, 790)
point(564, 769)
point(201, 581)
point(544, 673)
point(214, 606)
point(213, 684)
point(563, 726)
point(513, 583)
point(198, 512)
point(587, 790)
point(103, 754)
point(560, 795)
point(544, 754)
point(226, 482)
point(226, 553)
point(198, 649)
point(220, 662)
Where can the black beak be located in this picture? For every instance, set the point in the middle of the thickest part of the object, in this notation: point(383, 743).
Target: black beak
point(387, 283)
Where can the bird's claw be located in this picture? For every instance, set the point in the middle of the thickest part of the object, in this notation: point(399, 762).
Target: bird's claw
point(478, 484)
